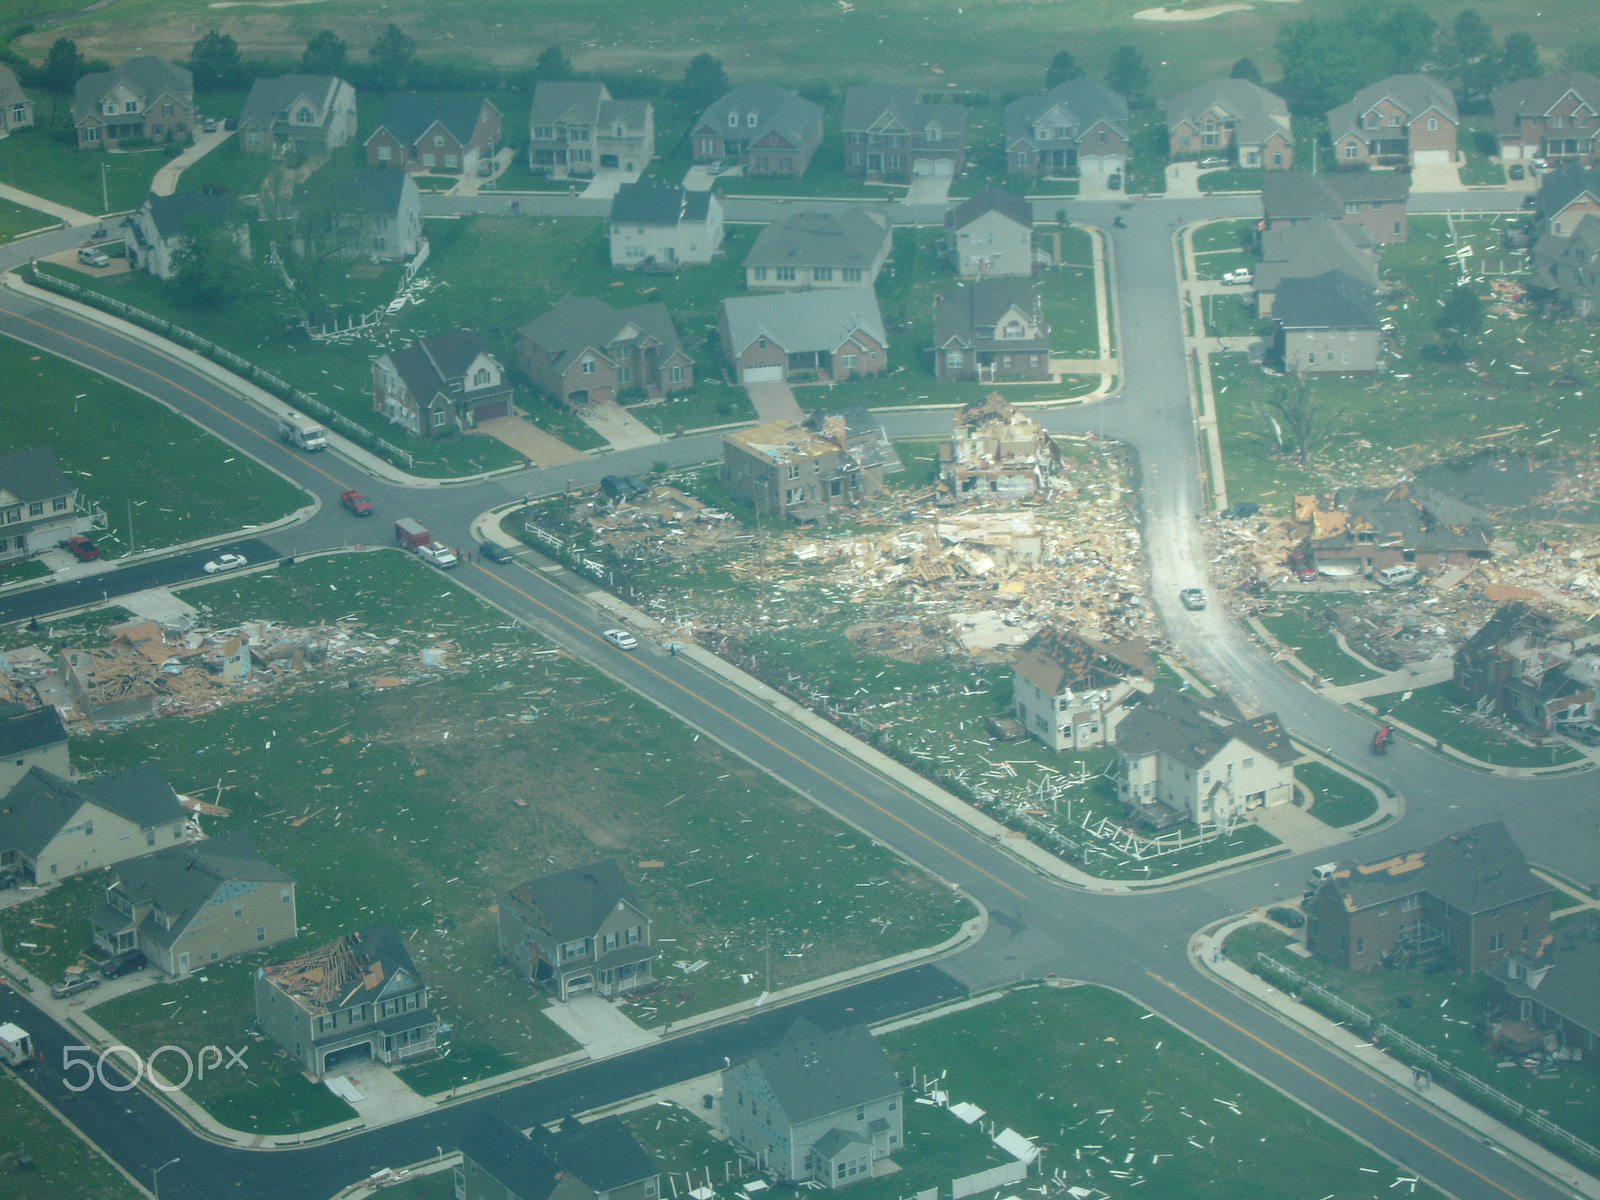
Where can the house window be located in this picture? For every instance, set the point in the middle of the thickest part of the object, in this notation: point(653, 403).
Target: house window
point(1433, 123)
point(1361, 945)
point(675, 375)
point(610, 941)
point(733, 120)
point(429, 160)
point(852, 274)
point(150, 836)
point(36, 509)
point(326, 1022)
point(438, 420)
point(1411, 903)
point(1351, 150)
point(438, 139)
point(1277, 158)
point(847, 361)
point(785, 274)
point(480, 377)
point(822, 274)
point(624, 375)
point(587, 366)
point(758, 273)
point(385, 153)
point(750, 120)
point(285, 895)
point(792, 470)
point(261, 933)
point(88, 828)
point(953, 359)
point(59, 504)
point(574, 949)
point(213, 953)
point(238, 909)
point(452, 163)
point(1497, 942)
point(130, 106)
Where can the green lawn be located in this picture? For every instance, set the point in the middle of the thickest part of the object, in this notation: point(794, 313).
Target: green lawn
point(1337, 799)
point(1436, 713)
point(134, 458)
point(1067, 293)
point(229, 168)
point(1300, 624)
point(1222, 235)
point(64, 1166)
point(16, 220)
point(40, 162)
point(1476, 140)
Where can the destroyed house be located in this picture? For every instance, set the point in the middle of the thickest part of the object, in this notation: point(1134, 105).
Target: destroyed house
point(358, 997)
point(53, 828)
point(997, 450)
point(577, 932)
point(1554, 984)
point(1526, 666)
point(1200, 759)
point(107, 685)
point(817, 1107)
point(801, 469)
point(31, 737)
point(1068, 692)
point(1468, 900)
point(1363, 530)
point(195, 903)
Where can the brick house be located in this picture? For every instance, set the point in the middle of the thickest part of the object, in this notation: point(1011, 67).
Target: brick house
point(434, 133)
point(1069, 692)
point(298, 114)
point(1360, 531)
point(991, 329)
point(1326, 324)
point(1404, 118)
point(1554, 984)
point(16, 109)
point(441, 385)
point(577, 932)
point(1374, 200)
point(1554, 117)
point(833, 248)
point(1231, 117)
point(834, 334)
point(818, 1107)
point(1306, 249)
point(576, 128)
point(1078, 126)
point(39, 505)
point(1532, 668)
point(761, 128)
point(583, 351)
point(801, 469)
point(144, 97)
point(990, 234)
point(52, 828)
point(660, 226)
point(891, 135)
point(1468, 899)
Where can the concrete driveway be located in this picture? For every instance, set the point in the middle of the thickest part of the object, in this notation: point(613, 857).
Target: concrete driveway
point(774, 401)
point(527, 439)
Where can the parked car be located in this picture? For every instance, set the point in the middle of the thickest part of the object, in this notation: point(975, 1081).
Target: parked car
point(1239, 277)
point(231, 124)
point(356, 503)
point(1589, 735)
point(1540, 166)
point(485, 167)
point(225, 562)
point(1530, 201)
point(210, 125)
point(81, 548)
point(715, 168)
point(1211, 164)
point(72, 985)
point(125, 963)
point(621, 639)
point(90, 257)
point(1193, 598)
point(1114, 181)
point(1516, 171)
point(1287, 917)
point(495, 552)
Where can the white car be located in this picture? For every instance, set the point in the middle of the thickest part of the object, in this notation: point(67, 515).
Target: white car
point(621, 639)
point(227, 562)
point(89, 256)
point(1239, 277)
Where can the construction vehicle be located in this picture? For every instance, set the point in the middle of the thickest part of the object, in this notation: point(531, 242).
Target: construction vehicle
point(302, 432)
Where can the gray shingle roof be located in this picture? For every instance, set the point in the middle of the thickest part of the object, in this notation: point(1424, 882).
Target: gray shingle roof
point(40, 803)
point(793, 119)
point(1083, 104)
point(1191, 730)
point(651, 202)
point(436, 365)
point(554, 100)
point(579, 323)
point(1537, 96)
point(514, 1162)
point(408, 115)
point(1411, 94)
point(1257, 113)
point(32, 474)
point(604, 1153)
point(180, 879)
point(1331, 300)
point(146, 75)
point(33, 729)
point(1309, 248)
point(802, 322)
point(269, 100)
point(169, 214)
point(1567, 183)
point(966, 315)
point(1057, 659)
point(1570, 955)
point(814, 1074)
point(10, 89)
point(991, 199)
point(1295, 195)
point(573, 904)
point(882, 105)
point(1568, 263)
point(1475, 871)
point(848, 237)
point(368, 192)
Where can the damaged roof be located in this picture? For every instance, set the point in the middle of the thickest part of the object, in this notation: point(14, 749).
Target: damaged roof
point(1475, 871)
point(1192, 731)
point(354, 969)
point(814, 1074)
point(1058, 660)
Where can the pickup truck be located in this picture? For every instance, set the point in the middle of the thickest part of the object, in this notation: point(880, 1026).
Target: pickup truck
point(1239, 277)
point(440, 556)
point(356, 503)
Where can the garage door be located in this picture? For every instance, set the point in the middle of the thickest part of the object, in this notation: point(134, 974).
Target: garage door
point(944, 168)
point(501, 408)
point(1432, 157)
point(773, 374)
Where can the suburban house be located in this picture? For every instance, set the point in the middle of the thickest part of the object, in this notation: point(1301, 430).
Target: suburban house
point(997, 450)
point(1554, 985)
point(1306, 249)
point(38, 503)
point(601, 1160)
point(52, 828)
point(1360, 531)
point(1468, 900)
point(29, 738)
point(833, 334)
point(1408, 119)
point(1232, 117)
point(583, 351)
point(434, 132)
point(142, 98)
point(1532, 668)
point(196, 903)
point(891, 135)
point(761, 128)
point(1565, 197)
point(800, 469)
point(817, 1107)
point(1374, 200)
point(358, 997)
point(1078, 126)
point(991, 329)
point(152, 236)
point(1069, 692)
point(1568, 268)
point(660, 226)
point(835, 248)
point(1327, 324)
point(990, 234)
point(298, 114)
point(16, 110)
point(1554, 117)
point(370, 213)
point(1180, 756)
point(577, 128)
point(577, 932)
point(441, 385)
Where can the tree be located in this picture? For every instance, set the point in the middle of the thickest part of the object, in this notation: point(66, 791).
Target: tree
point(1062, 68)
point(1472, 36)
point(391, 54)
point(1408, 33)
point(1462, 313)
point(208, 268)
point(214, 61)
point(1299, 427)
point(552, 65)
point(64, 65)
point(1520, 57)
point(1585, 56)
point(704, 81)
point(1128, 75)
point(325, 54)
point(1246, 68)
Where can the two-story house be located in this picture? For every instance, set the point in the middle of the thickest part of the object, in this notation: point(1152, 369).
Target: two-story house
point(1469, 900)
point(1532, 668)
point(1231, 117)
point(38, 504)
point(996, 449)
point(1078, 126)
point(800, 469)
point(16, 110)
point(817, 1107)
point(832, 248)
point(1374, 200)
point(577, 932)
point(1306, 249)
point(52, 828)
point(1404, 119)
point(990, 234)
point(142, 98)
point(604, 1154)
point(991, 329)
point(1326, 324)
point(154, 233)
point(434, 133)
point(441, 385)
point(1069, 692)
point(29, 738)
point(576, 128)
point(1200, 759)
point(601, 1160)
point(660, 226)
point(1554, 117)
point(298, 114)
point(196, 903)
point(1565, 197)
point(370, 213)
point(760, 128)
point(358, 997)
point(1568, 268)
point(583, 351)
point(1554, 984)
point(891, 135)
point(832, 334)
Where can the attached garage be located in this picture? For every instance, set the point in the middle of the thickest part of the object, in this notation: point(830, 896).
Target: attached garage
point(487, 412)
point(944, 168)
point(772, 374)
point(1429, 158)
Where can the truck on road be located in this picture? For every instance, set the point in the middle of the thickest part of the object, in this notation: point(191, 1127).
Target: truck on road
point(16, 1047)
point(411, 533)
point(302, 432)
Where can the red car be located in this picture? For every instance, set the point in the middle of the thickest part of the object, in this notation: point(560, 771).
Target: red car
point(82, 548)
point(356, 503)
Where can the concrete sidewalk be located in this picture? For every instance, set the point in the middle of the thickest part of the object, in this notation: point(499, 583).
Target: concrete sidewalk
point(61, 212)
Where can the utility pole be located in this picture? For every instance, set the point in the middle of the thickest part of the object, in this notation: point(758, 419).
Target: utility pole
point(130, 525)
point(769, 962)
point(105, 198)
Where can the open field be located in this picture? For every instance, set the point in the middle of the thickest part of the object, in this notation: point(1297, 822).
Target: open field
point(1436, 713)
point(64, 1167)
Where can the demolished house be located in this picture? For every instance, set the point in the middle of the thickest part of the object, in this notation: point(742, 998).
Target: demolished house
point(801, 469)
point(996, 450)
point(1360, 531)
point(1531, 668)
point(1069, 692)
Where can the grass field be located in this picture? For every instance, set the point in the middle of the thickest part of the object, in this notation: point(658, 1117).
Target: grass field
point(64, 1166)
point(16, 220)
point(1435, 713)
point(1298, 624)
point(38, 161)
point(1337, 799)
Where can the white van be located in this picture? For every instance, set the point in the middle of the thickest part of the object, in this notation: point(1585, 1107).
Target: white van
point(1397, 576)
point(1320, 875)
